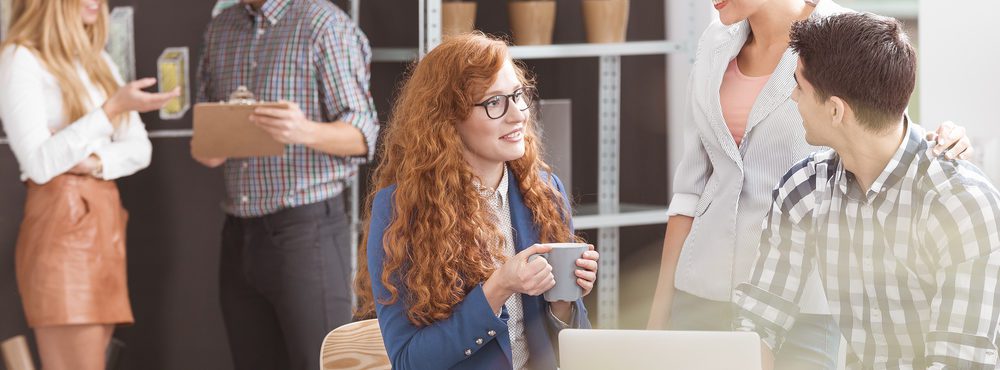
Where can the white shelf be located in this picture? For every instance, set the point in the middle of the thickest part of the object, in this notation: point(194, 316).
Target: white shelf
point(594, 50)
point(553, 51)
point(157, 134)
point(153, 134)
point(588, 217)
point(394, 54)
point(903, 9)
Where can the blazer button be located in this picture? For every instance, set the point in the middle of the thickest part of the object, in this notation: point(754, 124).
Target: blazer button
point(468, 352)
point(479, 341)
point(492, 333)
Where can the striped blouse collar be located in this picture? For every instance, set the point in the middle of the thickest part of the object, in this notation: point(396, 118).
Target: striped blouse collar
point(500, 191)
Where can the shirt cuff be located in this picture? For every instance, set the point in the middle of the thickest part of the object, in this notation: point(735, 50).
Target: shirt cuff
point(559, 323)
point(475, 299)
point(367, 123)
point(96, 124)
point(683, 204)
point(762, 312)
point(103, 154)
point(768, 337)
point(960, 351)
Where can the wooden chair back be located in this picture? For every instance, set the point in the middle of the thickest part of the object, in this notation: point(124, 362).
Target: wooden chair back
point(16, 355)
point(355, 346)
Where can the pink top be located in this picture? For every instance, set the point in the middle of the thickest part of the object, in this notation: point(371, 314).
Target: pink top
point(737, 95)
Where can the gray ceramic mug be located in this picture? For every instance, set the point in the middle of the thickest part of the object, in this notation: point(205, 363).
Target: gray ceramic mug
point(563, 258)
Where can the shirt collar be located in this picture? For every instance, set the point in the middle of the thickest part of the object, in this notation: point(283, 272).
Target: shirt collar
point(500, 191)
point(894, 171)
point(272, 10)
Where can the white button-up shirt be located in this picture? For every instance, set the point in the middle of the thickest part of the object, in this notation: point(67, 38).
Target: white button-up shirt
point(45, 143)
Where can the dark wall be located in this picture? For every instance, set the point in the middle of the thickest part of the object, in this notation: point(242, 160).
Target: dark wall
point(173, 233)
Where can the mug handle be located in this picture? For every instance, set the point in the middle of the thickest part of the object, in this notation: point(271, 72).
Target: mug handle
point(533, 256)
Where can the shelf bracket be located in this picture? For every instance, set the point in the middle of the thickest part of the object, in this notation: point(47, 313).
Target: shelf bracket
point(609, 120)
point(430, 32)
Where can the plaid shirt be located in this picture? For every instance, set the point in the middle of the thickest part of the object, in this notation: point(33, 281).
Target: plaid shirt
point(910, 268)
point(305, 51)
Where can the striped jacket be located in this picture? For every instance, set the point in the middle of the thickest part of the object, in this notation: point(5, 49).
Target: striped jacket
point(727, 189)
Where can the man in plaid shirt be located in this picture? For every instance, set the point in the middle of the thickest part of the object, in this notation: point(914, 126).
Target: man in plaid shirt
point(285, 264)
point(906, 242)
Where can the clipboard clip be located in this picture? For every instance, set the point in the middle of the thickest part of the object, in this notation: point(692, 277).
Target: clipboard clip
point(242, 96)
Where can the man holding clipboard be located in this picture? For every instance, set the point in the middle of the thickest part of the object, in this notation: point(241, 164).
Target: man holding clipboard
point(285, 264)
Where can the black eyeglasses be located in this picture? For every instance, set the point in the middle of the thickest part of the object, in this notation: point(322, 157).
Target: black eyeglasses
point(496, 106)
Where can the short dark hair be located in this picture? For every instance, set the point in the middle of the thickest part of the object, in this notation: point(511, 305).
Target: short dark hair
point(863, 58)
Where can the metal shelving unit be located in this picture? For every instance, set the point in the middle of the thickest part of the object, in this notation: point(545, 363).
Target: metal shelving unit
point(608, 215)
point(552, 51)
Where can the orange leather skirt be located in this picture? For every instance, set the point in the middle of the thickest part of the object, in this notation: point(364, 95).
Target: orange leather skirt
point(70, 256)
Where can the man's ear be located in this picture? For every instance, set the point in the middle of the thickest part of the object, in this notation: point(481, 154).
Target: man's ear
point(838, 110)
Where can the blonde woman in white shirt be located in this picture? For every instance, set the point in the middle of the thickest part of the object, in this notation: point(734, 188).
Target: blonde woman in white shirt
point(73, 127)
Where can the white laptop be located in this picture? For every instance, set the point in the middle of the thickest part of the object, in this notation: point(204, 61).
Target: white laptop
point(594, 349)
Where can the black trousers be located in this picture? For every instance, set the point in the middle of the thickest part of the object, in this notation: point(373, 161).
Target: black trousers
point(284, 284)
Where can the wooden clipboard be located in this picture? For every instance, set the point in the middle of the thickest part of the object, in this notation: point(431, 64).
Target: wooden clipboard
point(225, 130)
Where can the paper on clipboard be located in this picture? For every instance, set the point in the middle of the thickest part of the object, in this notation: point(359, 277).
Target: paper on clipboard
point(225, 130)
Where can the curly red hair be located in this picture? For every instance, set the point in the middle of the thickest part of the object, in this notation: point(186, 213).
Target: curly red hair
point(441, 241)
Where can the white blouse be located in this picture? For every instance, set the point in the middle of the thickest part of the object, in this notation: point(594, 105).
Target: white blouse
point(31, 108)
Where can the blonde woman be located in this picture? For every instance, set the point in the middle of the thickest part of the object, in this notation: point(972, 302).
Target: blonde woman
point(73, 127)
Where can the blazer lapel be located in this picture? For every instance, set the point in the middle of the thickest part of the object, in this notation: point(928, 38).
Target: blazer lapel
point(777, 90)
point(524, 228)
point(721, 57)
point(526, 235)
point(539, 342)
point(779, 87)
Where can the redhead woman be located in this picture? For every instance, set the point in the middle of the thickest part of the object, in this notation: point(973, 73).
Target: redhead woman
point(461, 200)
point(73, 127)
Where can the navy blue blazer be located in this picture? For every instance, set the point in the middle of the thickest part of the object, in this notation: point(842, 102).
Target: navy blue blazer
point(445, 344)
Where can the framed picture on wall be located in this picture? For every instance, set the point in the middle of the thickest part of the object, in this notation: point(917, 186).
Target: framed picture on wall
point(5, 11)
point(172, 72)
point(121, 40)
